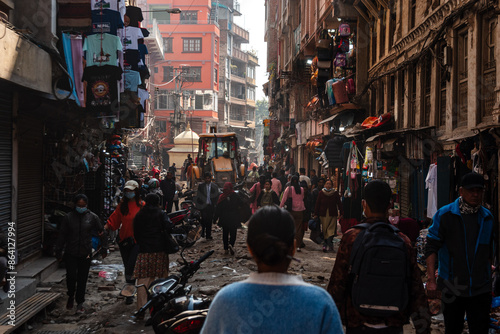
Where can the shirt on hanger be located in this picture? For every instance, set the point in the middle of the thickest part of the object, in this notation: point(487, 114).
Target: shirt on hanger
point(130, 37)
point(143, 51)
point(104, 4)
point(102, 87)
point(132, 80)
point(131, 58)
point(431, 185)
point(106, 21)
point(110, 46)
point(135, 15)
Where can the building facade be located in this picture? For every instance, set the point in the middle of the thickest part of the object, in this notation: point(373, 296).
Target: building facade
point(186, 82)
point(237, 94)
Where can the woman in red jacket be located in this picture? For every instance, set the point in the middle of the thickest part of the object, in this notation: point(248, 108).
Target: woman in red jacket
point(327, 209)
point(122, 218)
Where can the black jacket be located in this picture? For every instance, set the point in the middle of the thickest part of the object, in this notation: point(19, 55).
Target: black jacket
point(168, 189)
point(228, 211)
point(76, 233)
point(148, 226)
point(276, 199)
point(201, 196)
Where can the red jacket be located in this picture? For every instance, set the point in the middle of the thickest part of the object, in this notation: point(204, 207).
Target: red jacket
point(124, 223)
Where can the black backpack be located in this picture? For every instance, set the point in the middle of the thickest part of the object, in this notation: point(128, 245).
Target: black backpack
point(379, 271)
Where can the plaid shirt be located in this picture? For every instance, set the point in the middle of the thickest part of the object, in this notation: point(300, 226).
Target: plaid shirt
point(418, 308)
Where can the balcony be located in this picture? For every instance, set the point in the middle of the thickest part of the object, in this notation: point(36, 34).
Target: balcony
point(250, 103)
point(238, 99)
point(154, 42)
point(251, 81)
point(238, 78)
point(240, 55)
point(242, 35)
point(252, 59)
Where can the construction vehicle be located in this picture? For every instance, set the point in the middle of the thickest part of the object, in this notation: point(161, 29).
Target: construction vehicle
point(219, 154)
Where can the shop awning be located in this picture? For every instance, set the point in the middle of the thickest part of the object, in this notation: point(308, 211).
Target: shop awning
point(331, 118)
point(249, 139)
point(462, 135)
point(337, 110)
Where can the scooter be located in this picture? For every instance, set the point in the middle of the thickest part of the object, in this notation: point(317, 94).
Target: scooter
point(186, 226)
point(169, 299)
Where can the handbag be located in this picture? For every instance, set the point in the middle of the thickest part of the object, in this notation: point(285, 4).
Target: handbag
point(288, 202)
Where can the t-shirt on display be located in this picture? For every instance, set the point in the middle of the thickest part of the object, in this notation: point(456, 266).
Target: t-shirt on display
point(110, 45)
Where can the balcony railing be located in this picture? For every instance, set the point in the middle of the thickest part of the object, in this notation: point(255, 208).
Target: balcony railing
point(154, 41)
point(189, 22)
point(240, 32)
point(238, 54)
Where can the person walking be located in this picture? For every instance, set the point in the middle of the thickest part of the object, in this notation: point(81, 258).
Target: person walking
point(75, 240)
point(327, 208)
point(227, 213)
point(314, 178)
point(168, 188)
point(172, 169)
point(304, 177)
point(316, 190)
point(267, 196)
point(178, 190)
point(152, 261)
point(461, 239)
point(402, 276)
point(253, 176)
point(271, 300)
point(206, 200)
point(122, 218)
point(296, 192)
point(276, 184)
point(255, 191)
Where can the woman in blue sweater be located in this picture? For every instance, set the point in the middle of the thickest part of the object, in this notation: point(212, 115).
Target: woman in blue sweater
point(271, 300)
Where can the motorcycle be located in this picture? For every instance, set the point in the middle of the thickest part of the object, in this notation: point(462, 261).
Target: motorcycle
point(172, 308)
point(186, 226)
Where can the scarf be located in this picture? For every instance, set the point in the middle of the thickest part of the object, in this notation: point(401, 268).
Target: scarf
point(226, 191)
point(328, 192)
point(466, 209)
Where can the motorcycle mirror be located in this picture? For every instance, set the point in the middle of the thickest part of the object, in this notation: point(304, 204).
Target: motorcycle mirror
point(128, 290)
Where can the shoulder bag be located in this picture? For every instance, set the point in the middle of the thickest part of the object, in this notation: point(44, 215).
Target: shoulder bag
point(288, 203)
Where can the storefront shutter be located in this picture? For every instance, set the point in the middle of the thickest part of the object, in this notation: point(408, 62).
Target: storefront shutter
point(5, 156)
point(405, 190)
point(30, 189)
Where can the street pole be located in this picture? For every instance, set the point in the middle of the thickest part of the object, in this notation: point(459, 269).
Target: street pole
point(177, 103)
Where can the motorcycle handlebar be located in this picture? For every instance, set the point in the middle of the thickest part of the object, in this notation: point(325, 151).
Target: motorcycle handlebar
point(144, 307)
point(205, 256)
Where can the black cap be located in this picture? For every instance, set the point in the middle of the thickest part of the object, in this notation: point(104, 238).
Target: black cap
point(472, 180)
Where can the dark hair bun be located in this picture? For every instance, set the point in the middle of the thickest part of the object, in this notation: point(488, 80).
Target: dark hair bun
point(271, 232)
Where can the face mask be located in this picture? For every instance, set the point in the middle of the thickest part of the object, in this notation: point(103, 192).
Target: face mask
point(130, 195)
point(81, 210)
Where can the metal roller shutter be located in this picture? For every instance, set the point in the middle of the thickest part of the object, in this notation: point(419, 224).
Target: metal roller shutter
point(405, 190)
point(5, 156)
point(30, 194)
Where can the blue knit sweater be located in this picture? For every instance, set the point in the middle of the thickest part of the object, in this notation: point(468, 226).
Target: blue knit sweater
point(272, 303)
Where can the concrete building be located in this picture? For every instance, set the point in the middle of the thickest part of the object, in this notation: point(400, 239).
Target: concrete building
point(237, 94)
point(185, 84)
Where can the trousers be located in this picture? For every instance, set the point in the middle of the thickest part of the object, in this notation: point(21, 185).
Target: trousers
point(77, 273)
point(129, 257)
point(477, 309)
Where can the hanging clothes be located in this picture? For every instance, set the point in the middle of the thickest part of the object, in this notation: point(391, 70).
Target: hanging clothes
point(106, 21)
point(69, 57)
point(431, 186)
point(102, 49)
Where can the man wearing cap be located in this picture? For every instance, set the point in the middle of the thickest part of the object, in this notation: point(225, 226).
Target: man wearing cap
point(461, 239)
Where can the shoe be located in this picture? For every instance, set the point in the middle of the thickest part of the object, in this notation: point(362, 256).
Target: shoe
point(226, 252)
point(330, 248)
point(139, 317)
point(324, 249)
point(231, 249)
point(70, 303)
point(80, 309)
point(129, 300)
point(298, 249)
point(302, 245)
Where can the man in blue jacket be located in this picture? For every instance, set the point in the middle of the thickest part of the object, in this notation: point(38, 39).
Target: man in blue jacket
point(461, 239)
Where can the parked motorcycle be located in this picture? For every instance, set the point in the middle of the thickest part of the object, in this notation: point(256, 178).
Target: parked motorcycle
point(186, 226)
point(169, 299)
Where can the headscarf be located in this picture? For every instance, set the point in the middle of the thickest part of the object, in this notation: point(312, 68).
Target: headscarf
point(226, 191)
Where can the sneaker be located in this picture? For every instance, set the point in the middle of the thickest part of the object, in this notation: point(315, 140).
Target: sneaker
point(298, 249)
point(324, 249)
point(129, 300)
point(226, 252)
point(70, 303)
point(80, 309)
point(231, 249)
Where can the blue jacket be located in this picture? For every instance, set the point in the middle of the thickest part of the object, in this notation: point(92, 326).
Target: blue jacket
point(448, 238)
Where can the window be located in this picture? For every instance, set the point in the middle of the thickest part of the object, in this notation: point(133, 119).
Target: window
point(159, 13)
point(392, 96)
point(165, 100)
point(251, 114)
point(251, 72)
point(191, 45)
point(443, 79)
point(413, 96)
point(216, 46)
point(382, 33)
point(216, 75)
point(427, 71)
point(413, 13)
point(168, 73)
point(167, 44)
point(161, 126)
point(488, 79)
point(191, 74)
point(460, 117)
point(374, 45)
point(189, 17)
point(198, 102)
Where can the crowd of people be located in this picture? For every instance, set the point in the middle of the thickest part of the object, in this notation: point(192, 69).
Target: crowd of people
point(378, 295)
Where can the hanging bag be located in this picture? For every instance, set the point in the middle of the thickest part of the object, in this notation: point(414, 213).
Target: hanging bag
point(288, 202)
point(344, 30)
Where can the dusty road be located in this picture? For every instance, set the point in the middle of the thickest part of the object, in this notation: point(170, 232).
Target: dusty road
point(107, 313)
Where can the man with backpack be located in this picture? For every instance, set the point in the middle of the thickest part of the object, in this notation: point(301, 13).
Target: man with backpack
point(375, 281)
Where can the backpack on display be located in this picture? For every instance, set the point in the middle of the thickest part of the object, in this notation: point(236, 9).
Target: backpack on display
point(344, 30)
point(340, 60)
point(343, 44)
point(339, 92)
point(379, 271)
point(351, 87)
point(329, 92)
